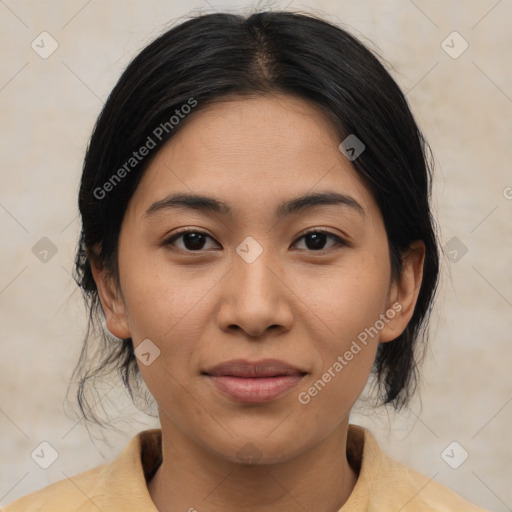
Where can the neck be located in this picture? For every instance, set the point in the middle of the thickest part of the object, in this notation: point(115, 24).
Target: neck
point(192, 478)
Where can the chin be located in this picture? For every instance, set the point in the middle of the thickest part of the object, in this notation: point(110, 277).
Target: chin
point(261, 448)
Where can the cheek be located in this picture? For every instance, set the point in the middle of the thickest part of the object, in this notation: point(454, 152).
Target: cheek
point(349, 297)
point(348, 307)
point(331, 394)
point(170, 311)
point(159, 297)
point(348, 304)
point(171, 308)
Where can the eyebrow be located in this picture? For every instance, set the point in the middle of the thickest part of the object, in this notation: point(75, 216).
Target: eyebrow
point(289, 207)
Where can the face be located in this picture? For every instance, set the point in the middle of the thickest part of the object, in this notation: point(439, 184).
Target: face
point(251, 282)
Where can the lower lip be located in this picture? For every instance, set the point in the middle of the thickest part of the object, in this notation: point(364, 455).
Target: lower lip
point(255, 390)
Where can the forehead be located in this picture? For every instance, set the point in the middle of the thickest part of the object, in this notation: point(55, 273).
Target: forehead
point(252, 153)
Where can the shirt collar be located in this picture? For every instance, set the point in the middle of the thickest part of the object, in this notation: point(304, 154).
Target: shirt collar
point(125, 483)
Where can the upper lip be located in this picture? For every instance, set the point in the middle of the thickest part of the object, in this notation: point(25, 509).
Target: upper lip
point(245, 368)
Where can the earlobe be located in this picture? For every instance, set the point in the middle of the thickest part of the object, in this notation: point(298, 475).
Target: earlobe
point(110, 298)
point(404, 292)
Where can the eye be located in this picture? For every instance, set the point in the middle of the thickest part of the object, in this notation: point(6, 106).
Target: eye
point(315, 240)
point(193, 239)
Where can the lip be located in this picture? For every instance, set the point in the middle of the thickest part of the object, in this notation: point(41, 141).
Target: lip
point(254, 382)
point(245, 368)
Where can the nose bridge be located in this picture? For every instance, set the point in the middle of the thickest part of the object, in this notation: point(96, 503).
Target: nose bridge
point(253, 263)
point(253, 300)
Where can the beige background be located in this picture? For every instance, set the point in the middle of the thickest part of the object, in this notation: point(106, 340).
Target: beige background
point(464, 105)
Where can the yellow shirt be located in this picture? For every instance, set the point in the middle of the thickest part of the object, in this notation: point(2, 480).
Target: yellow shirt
point(383, 485)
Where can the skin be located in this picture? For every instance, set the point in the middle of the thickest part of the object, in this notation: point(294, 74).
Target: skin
point(292, 303)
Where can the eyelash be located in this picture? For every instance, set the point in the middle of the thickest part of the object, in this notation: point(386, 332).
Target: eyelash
point(339, 241)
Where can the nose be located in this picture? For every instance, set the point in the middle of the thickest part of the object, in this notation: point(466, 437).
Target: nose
point(255, 297)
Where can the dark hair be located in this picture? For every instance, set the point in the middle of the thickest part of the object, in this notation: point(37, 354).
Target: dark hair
point(212, 57)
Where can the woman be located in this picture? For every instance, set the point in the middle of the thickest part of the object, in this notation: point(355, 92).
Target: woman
point(257, 240)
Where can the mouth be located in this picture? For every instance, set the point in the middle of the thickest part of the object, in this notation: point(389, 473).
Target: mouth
point(254, 382)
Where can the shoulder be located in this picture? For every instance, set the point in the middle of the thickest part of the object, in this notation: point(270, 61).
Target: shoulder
point(421, 493)
point(391, 485)
point(119, 485)
point(80, 493)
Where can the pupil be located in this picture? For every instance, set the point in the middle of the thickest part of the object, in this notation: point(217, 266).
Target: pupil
point(318, 240)
point(193, 241)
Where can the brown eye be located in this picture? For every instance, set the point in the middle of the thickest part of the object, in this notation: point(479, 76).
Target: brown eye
point(193, 240)
point(316, 240)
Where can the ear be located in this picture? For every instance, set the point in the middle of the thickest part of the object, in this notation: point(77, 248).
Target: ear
point(404, 292)
point(110, 297)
